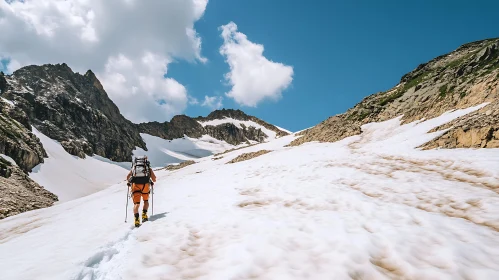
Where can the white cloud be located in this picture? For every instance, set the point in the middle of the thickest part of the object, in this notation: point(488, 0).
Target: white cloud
point(193, 100)
point(212, 102)
point(252, 76)
point(127, 43)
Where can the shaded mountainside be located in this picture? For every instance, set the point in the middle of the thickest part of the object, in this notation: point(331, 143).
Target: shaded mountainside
point(463, 78)
point(229, 132)
point(73, 109)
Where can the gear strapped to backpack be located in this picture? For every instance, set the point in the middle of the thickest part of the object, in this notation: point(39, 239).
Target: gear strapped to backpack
point(140, 171)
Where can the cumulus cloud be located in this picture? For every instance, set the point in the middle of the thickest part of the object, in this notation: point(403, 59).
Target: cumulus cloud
point(127, 43)
point(252, 76)
point(193, 100)
point(212, 102)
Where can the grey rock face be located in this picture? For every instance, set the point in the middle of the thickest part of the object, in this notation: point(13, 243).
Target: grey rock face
point(73, 109)
point(16, 141)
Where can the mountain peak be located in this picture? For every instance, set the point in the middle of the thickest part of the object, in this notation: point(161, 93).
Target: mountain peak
point(93, 79)
point(228, 113)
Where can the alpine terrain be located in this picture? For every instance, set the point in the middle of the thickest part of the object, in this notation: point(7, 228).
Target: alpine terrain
point(54, 120)
point(404, 185)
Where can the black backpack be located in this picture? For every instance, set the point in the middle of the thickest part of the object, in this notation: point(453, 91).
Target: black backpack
point(141, 171)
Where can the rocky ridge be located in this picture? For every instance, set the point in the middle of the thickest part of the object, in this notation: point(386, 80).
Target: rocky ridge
point(183, 125)
point(463, 78)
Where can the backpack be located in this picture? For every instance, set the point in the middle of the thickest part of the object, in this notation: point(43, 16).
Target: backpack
point(141, 170)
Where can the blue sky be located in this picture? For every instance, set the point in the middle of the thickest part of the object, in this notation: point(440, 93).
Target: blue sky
point(340, 51)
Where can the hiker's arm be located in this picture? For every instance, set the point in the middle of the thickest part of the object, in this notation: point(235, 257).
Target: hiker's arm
point(129, 175)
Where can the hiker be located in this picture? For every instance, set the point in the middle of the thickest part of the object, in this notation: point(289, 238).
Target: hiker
point(140, 178)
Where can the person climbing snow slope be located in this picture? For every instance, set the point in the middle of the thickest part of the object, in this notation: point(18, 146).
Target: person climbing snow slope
point(140, 178)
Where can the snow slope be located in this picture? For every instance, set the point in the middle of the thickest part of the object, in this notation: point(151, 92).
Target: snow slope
point(162, 152)
point(367, 207)
point(70, 177)
point(271, 134)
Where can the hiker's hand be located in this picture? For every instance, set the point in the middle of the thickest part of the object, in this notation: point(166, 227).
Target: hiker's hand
point(129, 184)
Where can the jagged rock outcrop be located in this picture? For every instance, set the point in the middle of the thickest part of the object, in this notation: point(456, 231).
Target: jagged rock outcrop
point(183, 125)
point(73, 109)
point(465, 77)
point(16, 139)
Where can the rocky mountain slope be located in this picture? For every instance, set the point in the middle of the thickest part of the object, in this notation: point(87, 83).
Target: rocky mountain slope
point(465, 77)
point(18, 193)
point(73, 109)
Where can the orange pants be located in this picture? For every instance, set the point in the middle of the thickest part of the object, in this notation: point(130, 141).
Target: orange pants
point(140, 190)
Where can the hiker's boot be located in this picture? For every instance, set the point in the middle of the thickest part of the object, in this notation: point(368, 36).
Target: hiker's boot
point(144, 216)
point(137, 221)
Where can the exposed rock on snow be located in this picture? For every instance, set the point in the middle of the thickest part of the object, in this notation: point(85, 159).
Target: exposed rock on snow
point(172, 167)
point(248, 156)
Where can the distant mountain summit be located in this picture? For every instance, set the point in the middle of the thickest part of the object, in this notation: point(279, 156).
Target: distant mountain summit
point(233, 126)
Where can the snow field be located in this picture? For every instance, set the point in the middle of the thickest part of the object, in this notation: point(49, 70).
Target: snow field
point(70, 177)
point(367, 207)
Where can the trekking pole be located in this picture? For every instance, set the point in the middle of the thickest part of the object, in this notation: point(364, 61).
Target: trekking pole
point(126, 208)
point(152, 199)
